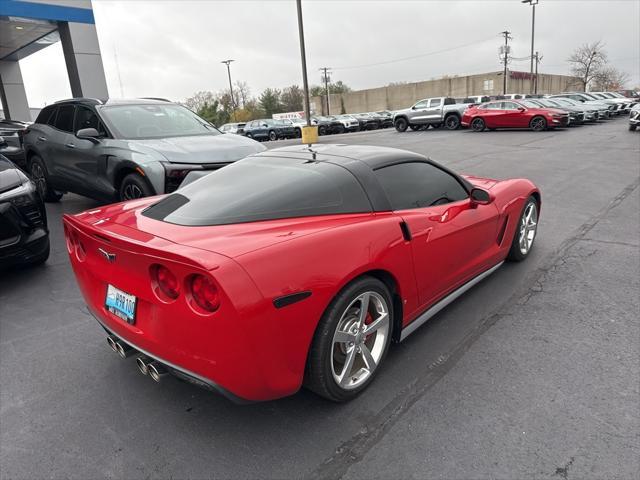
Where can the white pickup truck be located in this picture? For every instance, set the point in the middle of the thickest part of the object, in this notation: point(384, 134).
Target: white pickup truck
point(436, 112)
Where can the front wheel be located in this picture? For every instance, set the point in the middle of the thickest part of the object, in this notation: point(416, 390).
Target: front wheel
point(351, 341)
point(632, 128)
point(134, 186)
point(478, 125)
point(401, 124)
point(525, 232)
point(538, 124)
point(273, 135)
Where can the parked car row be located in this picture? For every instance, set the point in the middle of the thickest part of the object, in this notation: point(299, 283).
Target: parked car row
point(536, 112)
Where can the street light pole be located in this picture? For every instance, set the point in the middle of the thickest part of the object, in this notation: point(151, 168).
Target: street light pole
point(233, 101)
point(303, 57)
point(533, 4)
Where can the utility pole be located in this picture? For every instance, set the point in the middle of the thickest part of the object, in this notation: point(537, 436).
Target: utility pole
point(233, 101)
point(326, 80)
point(303, 57)
point(538, 58)
point(533, 3)
point(505, 59)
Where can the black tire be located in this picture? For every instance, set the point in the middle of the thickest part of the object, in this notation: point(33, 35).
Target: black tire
point(401, 124)
point(134, 186)
point(632, 128)
point(436, 126)
point(340, 129)
point(298, 133)
point(40, 176)
point(452, 121)
point(415, 128)
point(248, 135)
point(319, 376)
point(273, 135)
point(478, 124)
point(516, 254)
point(538, 124)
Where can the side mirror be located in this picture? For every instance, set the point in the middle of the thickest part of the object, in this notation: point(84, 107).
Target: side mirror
point(90, 134)
point(521, 109)
point(480, 196)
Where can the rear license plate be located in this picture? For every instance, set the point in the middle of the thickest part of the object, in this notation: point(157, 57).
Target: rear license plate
point(121, 304)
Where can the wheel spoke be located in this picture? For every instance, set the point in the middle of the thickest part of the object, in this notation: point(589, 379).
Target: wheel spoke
point(367, 357)
point(377, 323)
point(343, 337)
point(343, 378)
point(364, 307)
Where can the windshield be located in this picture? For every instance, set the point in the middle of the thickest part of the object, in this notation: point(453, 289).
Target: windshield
point(263, 188)
point(155, 121)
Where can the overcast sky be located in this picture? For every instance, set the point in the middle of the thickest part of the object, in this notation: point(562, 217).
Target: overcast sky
point(173, 48)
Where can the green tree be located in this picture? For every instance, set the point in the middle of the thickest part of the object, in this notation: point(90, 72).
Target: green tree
point(270, 101)
point(292, 99)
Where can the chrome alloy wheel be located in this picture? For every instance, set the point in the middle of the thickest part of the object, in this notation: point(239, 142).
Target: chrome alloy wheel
point(528, 226)
point(359, 340)
point(131, 192)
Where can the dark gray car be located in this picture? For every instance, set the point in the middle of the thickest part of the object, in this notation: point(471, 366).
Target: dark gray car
point(124, 149)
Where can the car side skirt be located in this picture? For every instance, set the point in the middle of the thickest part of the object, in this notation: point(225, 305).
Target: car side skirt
point(431, 311)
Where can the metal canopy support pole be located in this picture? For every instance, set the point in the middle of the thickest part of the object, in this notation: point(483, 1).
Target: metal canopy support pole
point(303, 58)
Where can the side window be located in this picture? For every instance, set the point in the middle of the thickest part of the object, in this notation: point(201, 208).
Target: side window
point(87, 118)
point(419, 185)
point(509, 106)
point(44, 115)
point(435, 102)
point(422, 104)
point(64, 120)
point(51, 120)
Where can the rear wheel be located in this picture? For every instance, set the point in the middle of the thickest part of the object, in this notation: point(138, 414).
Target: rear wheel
point(134, 186)
point(401, 124)
point(40, 177)
point(351, 341)
point(525, 231)
point(538, 124)
point(477, 124)
point(452, 122)
point(322, 130)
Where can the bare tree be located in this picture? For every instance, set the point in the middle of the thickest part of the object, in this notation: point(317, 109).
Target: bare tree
point(198, 100)
point(242, 92)
point(587, 60)
point(610, 78)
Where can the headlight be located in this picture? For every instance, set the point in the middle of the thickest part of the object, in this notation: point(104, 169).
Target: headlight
point(20, 194)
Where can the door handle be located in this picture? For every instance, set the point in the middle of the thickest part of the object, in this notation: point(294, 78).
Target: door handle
point(42, 139)
point(70, 145)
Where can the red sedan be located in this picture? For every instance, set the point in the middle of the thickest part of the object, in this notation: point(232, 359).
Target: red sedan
point(513, 114)
point(296, 266)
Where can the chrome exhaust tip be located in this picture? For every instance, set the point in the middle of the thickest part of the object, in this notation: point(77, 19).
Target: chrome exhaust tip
point(124, 350)
point(111, 340)
point(143, 364)
point(157, 371)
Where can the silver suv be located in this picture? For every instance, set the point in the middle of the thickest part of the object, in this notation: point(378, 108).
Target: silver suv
point(431, 111)
point(124, 149)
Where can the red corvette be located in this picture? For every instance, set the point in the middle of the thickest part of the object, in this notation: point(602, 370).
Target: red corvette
point(513, 114)
point(293, 266)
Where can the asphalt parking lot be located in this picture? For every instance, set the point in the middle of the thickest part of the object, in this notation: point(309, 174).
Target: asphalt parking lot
point(533, 373)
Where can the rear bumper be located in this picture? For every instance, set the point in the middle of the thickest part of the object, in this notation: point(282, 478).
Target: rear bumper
point(176, 370)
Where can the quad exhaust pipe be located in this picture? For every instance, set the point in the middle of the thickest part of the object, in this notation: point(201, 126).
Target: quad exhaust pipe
point(147, 366)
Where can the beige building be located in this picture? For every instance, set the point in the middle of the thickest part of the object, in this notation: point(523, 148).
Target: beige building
point(402, 96)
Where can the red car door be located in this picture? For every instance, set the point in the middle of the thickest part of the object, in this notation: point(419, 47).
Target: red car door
point(512, 116)
point(452, 237)
point(491, 114)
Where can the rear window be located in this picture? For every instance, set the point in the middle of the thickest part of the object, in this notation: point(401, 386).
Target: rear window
point(64, 120)
point(263, 188)
point(45, 113)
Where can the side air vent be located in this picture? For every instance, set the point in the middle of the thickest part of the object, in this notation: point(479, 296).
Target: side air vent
point(502, 230)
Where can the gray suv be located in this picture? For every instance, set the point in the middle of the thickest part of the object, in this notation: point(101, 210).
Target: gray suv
point(124, 149)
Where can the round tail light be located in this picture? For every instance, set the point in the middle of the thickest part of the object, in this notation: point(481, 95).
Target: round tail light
point(204, 292)
point(166, 281)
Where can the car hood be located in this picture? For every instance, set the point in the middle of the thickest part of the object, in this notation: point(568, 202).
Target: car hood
point(201, 148)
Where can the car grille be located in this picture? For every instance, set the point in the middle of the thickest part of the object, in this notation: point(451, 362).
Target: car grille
point(33, 215)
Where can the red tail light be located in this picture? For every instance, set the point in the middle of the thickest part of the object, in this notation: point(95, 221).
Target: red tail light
point(205, 293)
point(165, 281)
